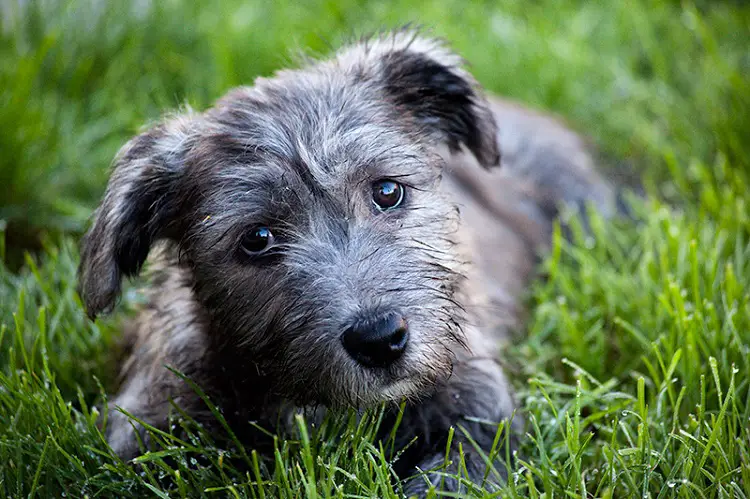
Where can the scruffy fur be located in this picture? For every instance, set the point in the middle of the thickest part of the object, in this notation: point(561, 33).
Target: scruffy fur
point(298, 153)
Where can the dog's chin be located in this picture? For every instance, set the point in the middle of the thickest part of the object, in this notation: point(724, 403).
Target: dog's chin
point(350, 385)
point(408, 388)
point(395, 388)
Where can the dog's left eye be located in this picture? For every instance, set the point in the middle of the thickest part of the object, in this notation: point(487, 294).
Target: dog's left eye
point(387, 194)
point(257, 240)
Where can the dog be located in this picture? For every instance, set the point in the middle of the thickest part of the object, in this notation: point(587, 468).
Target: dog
point(356, 231)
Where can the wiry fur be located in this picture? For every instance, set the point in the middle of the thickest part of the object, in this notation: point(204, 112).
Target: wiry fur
point(298, 152)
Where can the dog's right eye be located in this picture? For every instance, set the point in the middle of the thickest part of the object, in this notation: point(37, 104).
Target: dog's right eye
point(257, 240)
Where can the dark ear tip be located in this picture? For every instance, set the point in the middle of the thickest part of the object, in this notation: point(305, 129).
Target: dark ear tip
point(489, 156)
point(93, 305)
point(98, 292)
point(495, 161)
point(101, 304)
point(488, 151)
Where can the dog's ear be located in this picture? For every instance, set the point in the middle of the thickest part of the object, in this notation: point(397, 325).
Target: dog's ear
point(138, 208)
point(429, 82)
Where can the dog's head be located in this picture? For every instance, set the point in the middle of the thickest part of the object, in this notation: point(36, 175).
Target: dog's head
point(307, 209)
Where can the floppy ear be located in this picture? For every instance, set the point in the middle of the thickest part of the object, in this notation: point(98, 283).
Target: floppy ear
point(428, 81)
point(138, 208)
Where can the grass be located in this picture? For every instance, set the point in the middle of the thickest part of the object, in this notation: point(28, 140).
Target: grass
point(634, 372)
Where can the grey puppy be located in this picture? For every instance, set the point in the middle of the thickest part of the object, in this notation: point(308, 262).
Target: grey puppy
point(336, 236)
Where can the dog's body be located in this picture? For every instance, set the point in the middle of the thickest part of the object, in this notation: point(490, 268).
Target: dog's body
point(272, 332)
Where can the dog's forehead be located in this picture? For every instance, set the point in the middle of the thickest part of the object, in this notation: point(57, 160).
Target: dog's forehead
point(322, 124)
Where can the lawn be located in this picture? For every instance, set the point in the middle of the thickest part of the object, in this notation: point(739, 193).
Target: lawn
point(634, 370)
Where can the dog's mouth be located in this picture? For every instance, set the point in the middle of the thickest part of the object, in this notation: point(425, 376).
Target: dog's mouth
point(415, 385)
point(384, 387)
point(342, 382)
point(410, 387)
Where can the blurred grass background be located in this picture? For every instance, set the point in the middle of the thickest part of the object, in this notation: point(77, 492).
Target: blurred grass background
point(635, 371)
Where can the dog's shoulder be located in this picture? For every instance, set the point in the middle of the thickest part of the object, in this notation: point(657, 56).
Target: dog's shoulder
point(169, 328)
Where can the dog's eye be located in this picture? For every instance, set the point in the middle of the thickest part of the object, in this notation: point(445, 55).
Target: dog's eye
point(387, 194)
point(257, 240)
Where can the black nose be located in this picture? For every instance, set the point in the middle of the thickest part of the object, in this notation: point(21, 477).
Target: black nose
point(377, 342)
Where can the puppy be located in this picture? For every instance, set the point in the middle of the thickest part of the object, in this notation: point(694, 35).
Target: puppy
point(338, 235)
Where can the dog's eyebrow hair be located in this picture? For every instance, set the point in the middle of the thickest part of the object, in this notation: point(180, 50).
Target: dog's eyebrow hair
point(303, 172)
point(333, 207)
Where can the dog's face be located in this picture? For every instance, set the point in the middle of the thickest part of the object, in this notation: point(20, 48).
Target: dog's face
point(309, 213)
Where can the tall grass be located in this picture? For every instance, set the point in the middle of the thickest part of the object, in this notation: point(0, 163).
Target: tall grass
point(634, 370)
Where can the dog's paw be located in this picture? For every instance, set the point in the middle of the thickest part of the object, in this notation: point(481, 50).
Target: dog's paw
point(126, 437)
point(436, 475)
point(432, 474)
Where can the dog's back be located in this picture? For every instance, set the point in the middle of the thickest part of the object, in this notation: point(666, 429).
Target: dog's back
point(545, 165)
point(508, 212)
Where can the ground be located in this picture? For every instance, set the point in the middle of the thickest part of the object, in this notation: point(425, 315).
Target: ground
point(634, 370)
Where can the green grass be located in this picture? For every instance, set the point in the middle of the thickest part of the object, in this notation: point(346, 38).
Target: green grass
point(634, 371)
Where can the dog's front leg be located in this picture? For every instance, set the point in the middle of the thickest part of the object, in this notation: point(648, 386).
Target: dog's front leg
point(475, 400)
point(163, 335)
